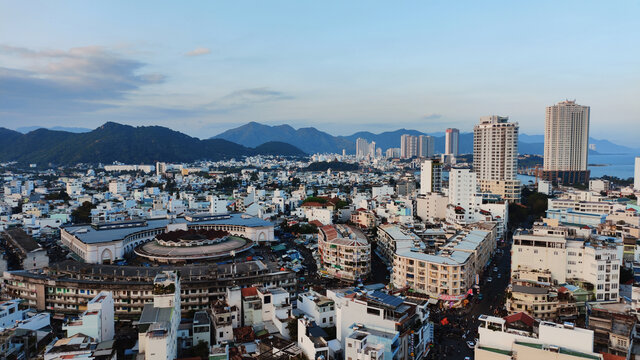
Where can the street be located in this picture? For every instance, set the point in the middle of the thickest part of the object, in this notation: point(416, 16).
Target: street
point(450, 340)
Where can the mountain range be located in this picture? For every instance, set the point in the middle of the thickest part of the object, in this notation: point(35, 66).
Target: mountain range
point(133, 145)
point(312, 140)
point(147, 144)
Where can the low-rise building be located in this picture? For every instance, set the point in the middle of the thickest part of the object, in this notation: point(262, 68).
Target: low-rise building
point(358, 347)
point(521, 337)
point(317, 307)
point(400, 325)
point(613, 326)
point(30, 254)
point(159, 323)
point(97, 321)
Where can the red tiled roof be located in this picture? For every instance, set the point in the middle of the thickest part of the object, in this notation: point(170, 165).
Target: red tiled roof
point(313, 204)
point(607, 356)
point(250, 291)
point(521, 316)
point(316, 223)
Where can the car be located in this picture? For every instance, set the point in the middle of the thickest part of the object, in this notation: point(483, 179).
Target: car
point(471, 344)
point(495, 269)
point(467, 358)
point(489, 279)
point(499, 276)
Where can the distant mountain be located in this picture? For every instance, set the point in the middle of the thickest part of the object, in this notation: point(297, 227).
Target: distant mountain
point(115, 142)
point(309, 140)
point(28, 129)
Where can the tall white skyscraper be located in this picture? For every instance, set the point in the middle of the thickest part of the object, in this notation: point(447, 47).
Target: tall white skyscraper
point(636, 175)
point(451, 142)
point(426, 146)
point(430, 176)
point(372, 150)
point(408, 146)
point(362, 148)
point(566, 143)
point(495, 156)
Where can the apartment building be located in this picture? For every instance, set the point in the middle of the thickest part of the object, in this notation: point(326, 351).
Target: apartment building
point(566, 142)
point(569, 258)
point(400, 325)
point(430, 176)
point(448, 273)
point(345, 252)
point(521, 337)
point(495, 156)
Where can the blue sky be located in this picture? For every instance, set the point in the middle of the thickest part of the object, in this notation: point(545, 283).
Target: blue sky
point(204, 67)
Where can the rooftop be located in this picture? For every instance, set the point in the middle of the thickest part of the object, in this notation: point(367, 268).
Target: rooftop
point(89, 235)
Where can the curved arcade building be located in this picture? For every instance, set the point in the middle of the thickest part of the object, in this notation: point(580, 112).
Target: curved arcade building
point(182, 246)
point(108, 242)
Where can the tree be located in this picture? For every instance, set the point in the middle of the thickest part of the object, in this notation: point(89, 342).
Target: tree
point(292, 328)
point(82, 214)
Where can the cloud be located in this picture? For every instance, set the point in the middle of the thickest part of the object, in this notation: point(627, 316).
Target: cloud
point(432, 117)
point(246, 97)
point(199, 51)
point(58, 82)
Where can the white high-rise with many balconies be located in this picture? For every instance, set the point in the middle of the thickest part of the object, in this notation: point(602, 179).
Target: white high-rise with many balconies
point(451, 142)
point(566, 142)
point(495, 156)
point(408, 146)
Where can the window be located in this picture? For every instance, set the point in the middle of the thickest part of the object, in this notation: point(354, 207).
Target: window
point(373, 311)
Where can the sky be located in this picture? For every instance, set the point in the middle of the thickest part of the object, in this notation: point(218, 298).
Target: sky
point(205, 67)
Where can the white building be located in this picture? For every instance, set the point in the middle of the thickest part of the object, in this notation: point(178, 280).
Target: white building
point(430, 176)
point(122, 167)
point(408, 146)
point(387, 319)
point(117, 187)
point(384, 190)
point(217, 205)
point(498, 340)
point(106, 243)
point(451, 142)
point(599, 185)
point(566, 142)
point(160, 320)
point(568, 257)
point(360, 347)
point(317, 307)
point(431, 206)
point(311, 341)
point(426, 146)
point(545, 187)
point(97, 321)
point(495, 156)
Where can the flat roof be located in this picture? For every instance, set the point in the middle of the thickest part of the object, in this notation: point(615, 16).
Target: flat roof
point(21, 239)
point(88, 235)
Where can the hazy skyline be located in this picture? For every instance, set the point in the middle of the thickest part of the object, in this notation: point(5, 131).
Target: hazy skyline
point(202, 68)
